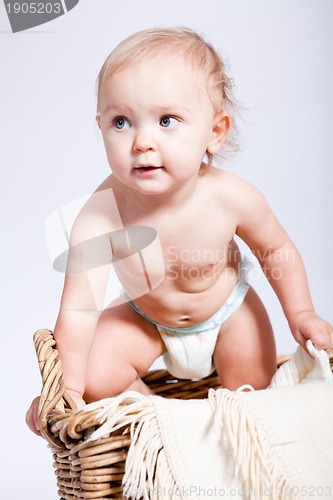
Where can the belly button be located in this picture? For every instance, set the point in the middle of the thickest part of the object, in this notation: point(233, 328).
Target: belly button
point(184, 318)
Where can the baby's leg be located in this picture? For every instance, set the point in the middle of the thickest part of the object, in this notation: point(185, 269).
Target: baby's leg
point(245, 351)
point(125, 345)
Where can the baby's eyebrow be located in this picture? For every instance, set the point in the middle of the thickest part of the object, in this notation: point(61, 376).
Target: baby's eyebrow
point(118, 108)
point(172, 109)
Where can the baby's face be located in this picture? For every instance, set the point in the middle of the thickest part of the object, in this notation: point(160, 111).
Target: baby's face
point(157, 123)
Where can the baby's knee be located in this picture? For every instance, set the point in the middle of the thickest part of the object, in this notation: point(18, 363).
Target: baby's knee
point(262, 378)
point(246, 371)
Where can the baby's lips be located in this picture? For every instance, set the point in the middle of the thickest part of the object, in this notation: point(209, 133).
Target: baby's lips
point(147, 168)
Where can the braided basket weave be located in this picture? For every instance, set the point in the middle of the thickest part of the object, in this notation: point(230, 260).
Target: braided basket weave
point(94, 470)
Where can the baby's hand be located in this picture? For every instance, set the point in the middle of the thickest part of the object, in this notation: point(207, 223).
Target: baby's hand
point(307, 325)
point(31, 417)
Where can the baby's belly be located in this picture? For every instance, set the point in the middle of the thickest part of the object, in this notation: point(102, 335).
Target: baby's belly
point(191, 302)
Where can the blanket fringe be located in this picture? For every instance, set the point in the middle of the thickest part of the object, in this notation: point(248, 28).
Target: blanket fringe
point(256, 457)
point(147, 471)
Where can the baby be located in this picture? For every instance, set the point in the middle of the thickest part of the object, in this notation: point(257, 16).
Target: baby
point(167, 218)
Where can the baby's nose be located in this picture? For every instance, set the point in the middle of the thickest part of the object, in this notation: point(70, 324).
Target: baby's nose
point(144, 141)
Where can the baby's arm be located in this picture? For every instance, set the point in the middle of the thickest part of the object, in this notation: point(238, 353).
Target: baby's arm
point(283, 266)
point(89, 260)
point(81, 304)
point(90, 255)
point(88, 265)
point(74, 331)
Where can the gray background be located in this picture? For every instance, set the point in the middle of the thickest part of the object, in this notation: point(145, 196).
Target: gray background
point(51, 153)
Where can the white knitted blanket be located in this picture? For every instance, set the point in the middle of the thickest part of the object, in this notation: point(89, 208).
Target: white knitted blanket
point(275, 443)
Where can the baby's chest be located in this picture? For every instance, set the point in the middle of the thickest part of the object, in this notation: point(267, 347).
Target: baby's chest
point(194, 240)
point(197, 249)
point(196, 259)
point(142, 251)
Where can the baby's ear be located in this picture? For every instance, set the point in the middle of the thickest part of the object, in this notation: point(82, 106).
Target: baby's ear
point(220, 129)
point(98, 119)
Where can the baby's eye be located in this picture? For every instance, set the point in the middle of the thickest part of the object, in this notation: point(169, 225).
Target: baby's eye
point(121, 122)
point(168, 121)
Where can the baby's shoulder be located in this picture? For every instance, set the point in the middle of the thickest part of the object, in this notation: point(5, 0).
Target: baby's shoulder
point(231, 187)
point(98, 216)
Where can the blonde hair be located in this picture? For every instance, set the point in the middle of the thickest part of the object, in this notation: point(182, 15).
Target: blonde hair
point(195, 51)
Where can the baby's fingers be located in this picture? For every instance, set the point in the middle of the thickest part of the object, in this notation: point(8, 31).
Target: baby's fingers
point(323, 339)
point(31, 417)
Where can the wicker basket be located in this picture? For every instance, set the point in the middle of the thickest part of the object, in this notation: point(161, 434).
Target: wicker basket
point(93, 470)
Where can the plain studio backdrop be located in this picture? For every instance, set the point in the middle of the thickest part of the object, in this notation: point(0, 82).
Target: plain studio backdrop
point(279, 54)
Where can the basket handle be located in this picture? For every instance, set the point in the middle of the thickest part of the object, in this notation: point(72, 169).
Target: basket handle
point(54, 397)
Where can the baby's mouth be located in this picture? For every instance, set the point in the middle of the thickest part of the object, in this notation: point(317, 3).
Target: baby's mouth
point(147, 168)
